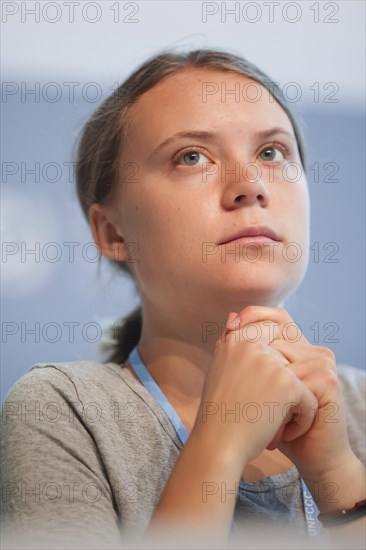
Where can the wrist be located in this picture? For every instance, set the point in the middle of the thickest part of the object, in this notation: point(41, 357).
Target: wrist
point(339, 488)
point(219, 449)
point(344, 516)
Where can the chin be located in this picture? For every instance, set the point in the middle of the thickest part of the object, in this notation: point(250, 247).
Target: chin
point(263, 290)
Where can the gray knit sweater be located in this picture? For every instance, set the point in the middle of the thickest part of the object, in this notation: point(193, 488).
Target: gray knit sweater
point(87, 450)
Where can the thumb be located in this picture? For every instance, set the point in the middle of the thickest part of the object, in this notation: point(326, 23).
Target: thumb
point(231, 317)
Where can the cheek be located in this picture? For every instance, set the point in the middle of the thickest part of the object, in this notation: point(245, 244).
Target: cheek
point(299, 218)
point(165, 235)
point(296, 204)
point(303, 206)
point(170, 215)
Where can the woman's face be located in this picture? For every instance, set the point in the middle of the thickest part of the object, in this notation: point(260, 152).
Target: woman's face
point(184, 196)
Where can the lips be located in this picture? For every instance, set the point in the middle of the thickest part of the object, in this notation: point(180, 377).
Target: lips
point(253, 231)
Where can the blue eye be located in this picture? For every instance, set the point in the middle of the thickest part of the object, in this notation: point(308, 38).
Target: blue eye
point(270, 154)
point(190, 158)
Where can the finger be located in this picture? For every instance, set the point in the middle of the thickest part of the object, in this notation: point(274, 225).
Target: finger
point(266, 331)
point(231, 317)
point(319, 376)
point(255, 314)
point(299, 417)
point(279, 316)
point(300, 352)
point(242, 334)
point(236, 337)
point(281, 358)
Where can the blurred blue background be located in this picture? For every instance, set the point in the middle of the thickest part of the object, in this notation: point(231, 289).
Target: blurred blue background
point(53, 301)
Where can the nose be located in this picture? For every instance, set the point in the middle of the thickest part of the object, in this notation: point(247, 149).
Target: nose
point(245, 187)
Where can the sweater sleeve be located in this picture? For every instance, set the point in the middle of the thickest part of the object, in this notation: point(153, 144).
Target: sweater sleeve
point(353, 387)
point(55, 491)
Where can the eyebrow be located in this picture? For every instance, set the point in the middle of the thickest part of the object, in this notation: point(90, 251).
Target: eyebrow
point(176, 137)
point(210, 136)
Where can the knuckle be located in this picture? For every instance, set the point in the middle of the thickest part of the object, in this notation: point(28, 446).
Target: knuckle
point(331, 355)
point(333, 380)
point(250, 309)
point(232, 338)
point(261, 345)
point(326, 352)
point(329, 363)
point(329, 373)
point(271, 360)
point(284, 315)
point(287, 384)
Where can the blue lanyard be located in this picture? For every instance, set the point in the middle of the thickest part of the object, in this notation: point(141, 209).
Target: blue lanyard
point(311, 509)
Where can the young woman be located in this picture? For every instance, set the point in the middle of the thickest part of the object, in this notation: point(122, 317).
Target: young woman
point(215, 420)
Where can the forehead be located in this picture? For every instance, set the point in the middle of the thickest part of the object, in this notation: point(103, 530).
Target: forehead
point(199, 98)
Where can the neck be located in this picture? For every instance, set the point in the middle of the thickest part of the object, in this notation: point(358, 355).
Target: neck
point(177, 367)
point(178, 348)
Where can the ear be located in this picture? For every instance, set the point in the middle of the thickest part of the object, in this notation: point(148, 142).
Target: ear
point(106, 234)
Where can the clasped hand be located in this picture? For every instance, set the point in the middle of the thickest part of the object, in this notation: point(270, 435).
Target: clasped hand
point(324, 444)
